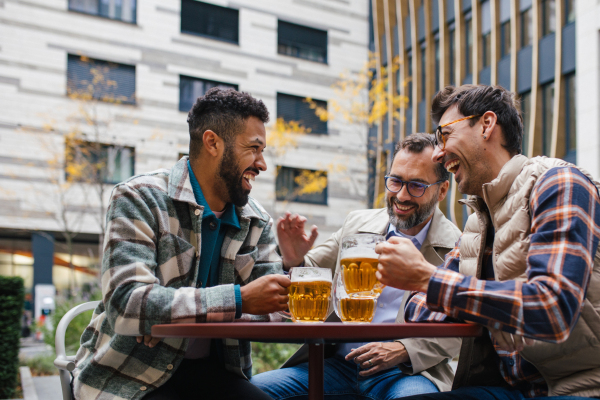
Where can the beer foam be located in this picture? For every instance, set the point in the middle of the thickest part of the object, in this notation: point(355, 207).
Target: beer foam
point(310, 274)
point(359, 252)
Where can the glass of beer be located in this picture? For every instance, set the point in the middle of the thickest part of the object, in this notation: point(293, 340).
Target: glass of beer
point(359, 264)
point(309, 294)
point(355, 308)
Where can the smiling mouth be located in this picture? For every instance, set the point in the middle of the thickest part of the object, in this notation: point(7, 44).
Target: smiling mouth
point(402, 209)
point(452, 166)
point(249, 177)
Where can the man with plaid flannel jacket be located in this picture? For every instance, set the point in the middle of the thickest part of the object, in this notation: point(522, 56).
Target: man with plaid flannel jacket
point(527, 266)
point(159, 266)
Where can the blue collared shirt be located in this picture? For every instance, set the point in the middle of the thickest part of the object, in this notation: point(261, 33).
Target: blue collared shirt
point(390, 299)
point(213, 234)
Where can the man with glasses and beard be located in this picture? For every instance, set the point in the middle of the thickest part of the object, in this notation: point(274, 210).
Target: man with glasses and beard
point(526, 268)
point(382, 370)
point(186, 245)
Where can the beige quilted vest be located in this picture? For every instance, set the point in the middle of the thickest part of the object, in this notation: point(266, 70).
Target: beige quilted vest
point(569, 368)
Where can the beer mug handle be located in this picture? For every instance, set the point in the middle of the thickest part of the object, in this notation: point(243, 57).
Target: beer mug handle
point(286, 314)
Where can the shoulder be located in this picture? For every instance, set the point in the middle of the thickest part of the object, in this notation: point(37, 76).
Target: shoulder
point(568, 182)
point(442, 232)
point(155, 181)
point(255, 210)
point(368, 214)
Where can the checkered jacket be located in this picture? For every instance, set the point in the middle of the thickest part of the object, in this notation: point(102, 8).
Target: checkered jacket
point(149, 274)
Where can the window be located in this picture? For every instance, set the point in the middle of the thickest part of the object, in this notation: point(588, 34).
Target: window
point(547, 110)
point(302, 42)
point(296, 108)
point(525, 110)
point(102, 80)
point(209, 20)
point(569, 11)
point(301, 185)
point(468, 44)
point(94, 162)
point(451, 60)
point(191, 88)
point(526, 28)
point(504, 39)
point(486, 34)
point(570, 120)
point(122, 10)
point(548, 17)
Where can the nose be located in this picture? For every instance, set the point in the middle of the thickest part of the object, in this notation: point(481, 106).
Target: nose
point(260, 162)
point(438, 154)
point(403, 194)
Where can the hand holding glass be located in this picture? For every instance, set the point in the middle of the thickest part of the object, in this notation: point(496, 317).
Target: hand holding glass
point(309, 294)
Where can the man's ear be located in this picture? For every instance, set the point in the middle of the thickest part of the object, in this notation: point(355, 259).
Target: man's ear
point(489, 120)
point(212, 143)
point(443, 190)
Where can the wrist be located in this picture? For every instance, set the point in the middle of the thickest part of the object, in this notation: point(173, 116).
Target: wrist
point(428, 271)
point(288, 264)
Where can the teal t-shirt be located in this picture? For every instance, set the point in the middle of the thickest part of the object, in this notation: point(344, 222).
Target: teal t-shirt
point(213, 234)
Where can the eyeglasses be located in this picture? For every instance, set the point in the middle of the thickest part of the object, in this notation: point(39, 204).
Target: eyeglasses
point(415, 189)
point(441, 137)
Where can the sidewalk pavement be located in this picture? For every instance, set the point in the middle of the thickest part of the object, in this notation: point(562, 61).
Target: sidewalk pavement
point(40, 387)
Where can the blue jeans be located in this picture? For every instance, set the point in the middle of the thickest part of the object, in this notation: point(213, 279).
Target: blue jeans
point(485, 393)
point(341, 381)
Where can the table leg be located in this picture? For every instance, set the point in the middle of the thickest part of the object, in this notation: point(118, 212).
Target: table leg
point(316, 356)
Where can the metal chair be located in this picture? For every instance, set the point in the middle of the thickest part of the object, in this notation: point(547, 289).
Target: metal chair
point(64, 362)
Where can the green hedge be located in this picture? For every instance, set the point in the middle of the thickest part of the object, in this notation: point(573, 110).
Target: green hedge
point(12, 296)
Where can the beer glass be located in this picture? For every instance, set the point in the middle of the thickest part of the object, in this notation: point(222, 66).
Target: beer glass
point(309, 294)
point(355, 308)
point(359, 264)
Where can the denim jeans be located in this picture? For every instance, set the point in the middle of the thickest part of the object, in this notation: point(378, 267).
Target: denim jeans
point(485, 393)
point(342, 382)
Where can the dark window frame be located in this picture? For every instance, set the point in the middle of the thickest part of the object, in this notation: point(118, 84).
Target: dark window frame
point(299, 100)
point(296, 47)
point(468, 18)
point(98, 152)
point(548, 17)
point(183, 106)
point(75, 87)
point(526, 20)
point(208, 6)
point(133, 22)
point(312, 198)
point(505, 39)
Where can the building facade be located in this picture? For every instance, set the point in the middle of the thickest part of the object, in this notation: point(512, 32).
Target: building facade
point(110, 83)
point(535, 48)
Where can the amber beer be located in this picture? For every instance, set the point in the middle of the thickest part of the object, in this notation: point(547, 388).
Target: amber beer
point(359, 274)
point(309, 294)
point(359, 263)
point(357, 310)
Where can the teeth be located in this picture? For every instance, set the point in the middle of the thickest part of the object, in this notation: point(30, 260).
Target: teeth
point(403, 208)
point(452, 166)
point(250, 177)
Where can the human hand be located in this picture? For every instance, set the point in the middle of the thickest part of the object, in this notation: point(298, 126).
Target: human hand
point(378, 356)
point(265, 295)
point(509, 342)
point(294, 243)
point(148, 340)
point(401, 265)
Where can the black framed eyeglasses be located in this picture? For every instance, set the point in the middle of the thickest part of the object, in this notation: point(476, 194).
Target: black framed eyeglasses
point(415, 189)
point(441, 137)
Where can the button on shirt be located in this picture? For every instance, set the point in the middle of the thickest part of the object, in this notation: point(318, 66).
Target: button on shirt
point(388, 303)
point(214, 226)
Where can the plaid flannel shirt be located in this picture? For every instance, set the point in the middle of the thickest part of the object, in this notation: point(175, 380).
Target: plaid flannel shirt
point(565, 229)
point(149, 274)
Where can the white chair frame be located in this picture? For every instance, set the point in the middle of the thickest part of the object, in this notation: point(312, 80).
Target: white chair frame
point(64, 362)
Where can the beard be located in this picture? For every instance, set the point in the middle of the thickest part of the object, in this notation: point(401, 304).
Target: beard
point(229, 173)
point(420, 215)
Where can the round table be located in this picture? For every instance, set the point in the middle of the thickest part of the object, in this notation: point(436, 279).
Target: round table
point(315, 335)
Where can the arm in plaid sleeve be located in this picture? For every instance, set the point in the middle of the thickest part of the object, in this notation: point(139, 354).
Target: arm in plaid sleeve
point(133, 298)
point(268, 261)
point(416, 308)
point(563, 242)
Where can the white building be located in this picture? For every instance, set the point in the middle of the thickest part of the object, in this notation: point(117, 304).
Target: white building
point(161, 55)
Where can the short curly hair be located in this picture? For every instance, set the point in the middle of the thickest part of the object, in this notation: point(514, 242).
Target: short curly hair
point(223, 111)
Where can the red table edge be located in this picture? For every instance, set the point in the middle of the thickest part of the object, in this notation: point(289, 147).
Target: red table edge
point(327, 331)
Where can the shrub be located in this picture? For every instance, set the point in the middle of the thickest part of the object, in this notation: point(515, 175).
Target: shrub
point(270, 356)
point(40, 365)
point(79, 323)
point(12, 297)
